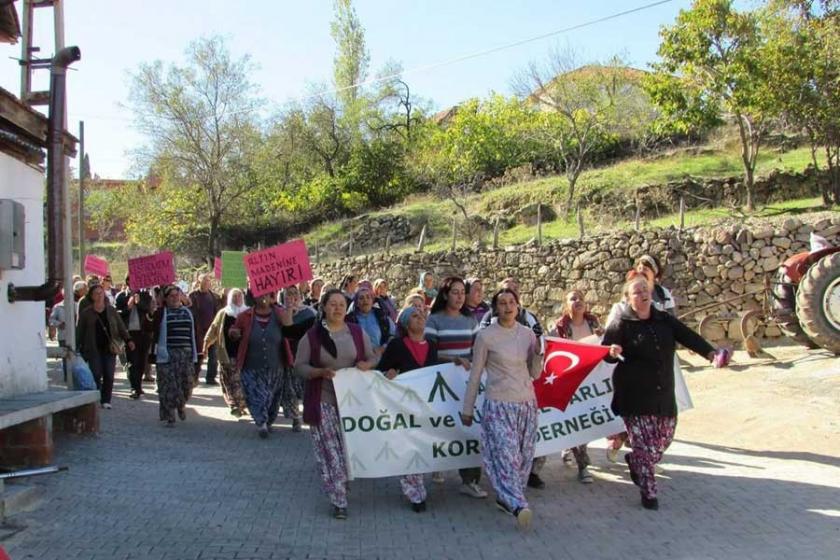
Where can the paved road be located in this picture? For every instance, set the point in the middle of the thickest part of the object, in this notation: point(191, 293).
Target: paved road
point(210, 489)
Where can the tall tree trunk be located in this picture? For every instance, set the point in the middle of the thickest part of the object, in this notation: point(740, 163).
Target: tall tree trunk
point(832, 156)
point(749, 151)
point(212, 241)
point(572, 174)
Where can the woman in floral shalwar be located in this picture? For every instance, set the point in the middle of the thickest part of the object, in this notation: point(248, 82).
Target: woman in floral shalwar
point(644, 339)
point(509, 352)
point(330, 345)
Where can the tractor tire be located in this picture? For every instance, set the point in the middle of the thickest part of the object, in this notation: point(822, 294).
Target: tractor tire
point(818, 302)
point(784, 306)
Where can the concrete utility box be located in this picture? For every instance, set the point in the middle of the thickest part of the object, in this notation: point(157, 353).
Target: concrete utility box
point(12, 240)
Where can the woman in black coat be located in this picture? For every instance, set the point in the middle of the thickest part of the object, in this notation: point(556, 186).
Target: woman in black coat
point(405, 353)
point(644, 339)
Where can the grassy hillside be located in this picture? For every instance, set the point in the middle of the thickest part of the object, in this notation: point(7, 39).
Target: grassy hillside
point(626, 175)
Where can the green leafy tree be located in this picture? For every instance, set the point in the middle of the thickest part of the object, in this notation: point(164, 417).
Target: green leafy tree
point(711, 58)
point(350, 65)
point(803, 57)
point(107, 207)
point(200, 119)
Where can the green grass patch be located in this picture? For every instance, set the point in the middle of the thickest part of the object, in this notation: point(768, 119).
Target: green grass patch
point(626, 175)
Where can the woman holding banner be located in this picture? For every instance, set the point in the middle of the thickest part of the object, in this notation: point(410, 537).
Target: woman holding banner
point(330, 345)
point(644, 339)
point(453, 329)
point(175, 354)
point(509, 353)
point(406, 353)
point(218, 335)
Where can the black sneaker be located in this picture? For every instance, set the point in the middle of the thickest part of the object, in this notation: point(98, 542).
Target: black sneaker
point(339, 512)
point(503, 507)
point(263, 431)
point(534, 481)
point(633, 476)
point(650, 503)
point(419, 507)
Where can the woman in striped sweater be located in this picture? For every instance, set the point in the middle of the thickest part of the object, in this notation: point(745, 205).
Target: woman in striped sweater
point(453, 330)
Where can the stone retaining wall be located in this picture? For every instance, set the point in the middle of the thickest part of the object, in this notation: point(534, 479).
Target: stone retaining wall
point(702, 265)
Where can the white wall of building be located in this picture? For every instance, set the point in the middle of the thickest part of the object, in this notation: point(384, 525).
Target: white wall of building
point(23, 359)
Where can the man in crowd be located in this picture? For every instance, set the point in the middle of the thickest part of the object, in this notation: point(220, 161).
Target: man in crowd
point(204, 306)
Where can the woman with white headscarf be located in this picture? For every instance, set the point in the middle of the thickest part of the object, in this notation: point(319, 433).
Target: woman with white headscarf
point(219, 335)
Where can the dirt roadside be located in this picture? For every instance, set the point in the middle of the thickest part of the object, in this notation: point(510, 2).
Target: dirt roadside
point(786, 400)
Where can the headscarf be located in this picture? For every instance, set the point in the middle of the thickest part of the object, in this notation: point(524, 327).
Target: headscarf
point(405, 316)
point(428, 292)
point(231, 308)
point(364, 286)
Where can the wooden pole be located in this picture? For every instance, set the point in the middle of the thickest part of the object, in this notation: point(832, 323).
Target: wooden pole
point(350, 247)
point(638, 216)
point(388, 244)
point(422, 239)
point(539, 224)
point(580, 222)
point(682, 213)
point(454, 232)
point(317, 254)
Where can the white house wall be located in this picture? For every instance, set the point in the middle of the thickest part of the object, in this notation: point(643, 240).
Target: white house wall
point(23, 360)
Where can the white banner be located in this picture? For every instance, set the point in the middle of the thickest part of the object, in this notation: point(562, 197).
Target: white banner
point(410, 425)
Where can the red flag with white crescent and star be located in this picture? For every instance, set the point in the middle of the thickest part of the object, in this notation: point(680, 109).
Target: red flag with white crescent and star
point(566, 365)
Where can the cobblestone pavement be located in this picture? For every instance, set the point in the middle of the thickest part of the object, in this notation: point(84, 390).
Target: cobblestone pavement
point(211, 489)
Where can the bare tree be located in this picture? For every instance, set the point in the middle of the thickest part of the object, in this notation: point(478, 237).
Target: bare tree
point(200, 120)
point(577, 106)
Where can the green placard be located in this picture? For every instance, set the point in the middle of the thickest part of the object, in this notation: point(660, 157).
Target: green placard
point(233, 269)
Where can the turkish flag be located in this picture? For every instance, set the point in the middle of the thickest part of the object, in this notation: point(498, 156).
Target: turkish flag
point(566, 365)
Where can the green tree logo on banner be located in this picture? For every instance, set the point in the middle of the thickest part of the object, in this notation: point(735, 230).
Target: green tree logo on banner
point(441, 387)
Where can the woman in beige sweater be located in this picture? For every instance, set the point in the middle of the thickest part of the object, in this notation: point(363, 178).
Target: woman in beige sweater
point(509, 353)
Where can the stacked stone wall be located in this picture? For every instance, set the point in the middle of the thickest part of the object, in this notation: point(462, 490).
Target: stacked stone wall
point(702, 266)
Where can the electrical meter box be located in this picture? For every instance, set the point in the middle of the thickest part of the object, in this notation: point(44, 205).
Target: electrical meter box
point(12, 248)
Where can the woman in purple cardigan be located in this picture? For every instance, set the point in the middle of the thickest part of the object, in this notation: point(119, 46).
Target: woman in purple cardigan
point(330, 345)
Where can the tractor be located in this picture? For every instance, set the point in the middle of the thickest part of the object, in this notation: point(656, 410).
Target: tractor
point(806, 298)
point(803, 300)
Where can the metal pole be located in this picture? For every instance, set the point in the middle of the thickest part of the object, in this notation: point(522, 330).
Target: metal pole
point(82, 198)
point(69, 310)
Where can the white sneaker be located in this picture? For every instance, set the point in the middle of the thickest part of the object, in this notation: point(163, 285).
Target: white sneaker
point(437, 477)
point(473, 490)
point(106, 406)
point(568, 458)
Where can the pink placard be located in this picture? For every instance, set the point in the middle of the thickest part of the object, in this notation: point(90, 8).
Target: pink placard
point(96, 265)
point(277, 267)
point(217, 268)
point(152, 270)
